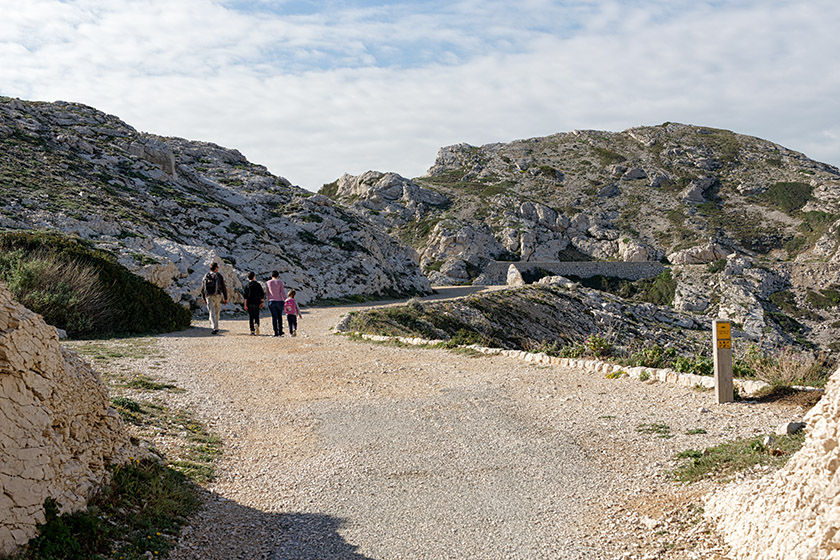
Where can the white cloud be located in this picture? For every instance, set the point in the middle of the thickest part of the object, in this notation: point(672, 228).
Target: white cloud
point(312, 96)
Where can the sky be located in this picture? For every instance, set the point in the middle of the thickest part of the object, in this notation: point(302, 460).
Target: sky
point(316, 89)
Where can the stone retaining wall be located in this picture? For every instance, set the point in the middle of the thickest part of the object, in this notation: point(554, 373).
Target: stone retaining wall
point(496, 272)
point(57, 429)
point(794, 512)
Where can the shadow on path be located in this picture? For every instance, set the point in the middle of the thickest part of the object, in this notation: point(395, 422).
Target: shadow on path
point(225, 529)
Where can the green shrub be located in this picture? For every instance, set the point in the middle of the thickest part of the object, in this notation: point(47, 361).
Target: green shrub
point(598, 346)
point(698, 365)
point(788, 196)
point(661, 290)
point(573, 351)
point(824, 299)
point(136, 515)
point(717, 266)
point(608, 157)
point(653, 357)
point(83, 290)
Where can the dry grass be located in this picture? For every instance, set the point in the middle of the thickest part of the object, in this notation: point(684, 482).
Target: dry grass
point(789, 367)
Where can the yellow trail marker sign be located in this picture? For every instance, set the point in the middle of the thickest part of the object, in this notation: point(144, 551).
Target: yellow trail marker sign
point(722, 347)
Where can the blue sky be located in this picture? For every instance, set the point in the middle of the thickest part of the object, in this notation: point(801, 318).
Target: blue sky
point(316, 89)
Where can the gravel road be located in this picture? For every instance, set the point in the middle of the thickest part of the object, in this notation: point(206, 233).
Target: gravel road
point(340, 449)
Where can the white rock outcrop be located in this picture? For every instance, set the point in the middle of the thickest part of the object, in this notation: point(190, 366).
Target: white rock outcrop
point(57, 429)
point(795, 512)
point(702, 254)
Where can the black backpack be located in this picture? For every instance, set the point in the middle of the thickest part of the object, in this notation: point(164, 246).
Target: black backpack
point(211, 282)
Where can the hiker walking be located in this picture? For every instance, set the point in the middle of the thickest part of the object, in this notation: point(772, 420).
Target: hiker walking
point(214, 292)
point(254, 297)
point(276, 301)
point(292, 312)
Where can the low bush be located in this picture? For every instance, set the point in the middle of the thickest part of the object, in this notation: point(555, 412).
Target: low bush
point(83, 290)
point(653, 357)
point(788, 196)
point(785, 367)
point(137, 515)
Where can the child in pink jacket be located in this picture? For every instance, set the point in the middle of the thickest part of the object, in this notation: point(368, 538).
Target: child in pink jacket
point(292, 312)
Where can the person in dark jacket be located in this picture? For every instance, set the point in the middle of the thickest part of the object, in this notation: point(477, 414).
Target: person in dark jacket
point(214, 292)
point(254, 298)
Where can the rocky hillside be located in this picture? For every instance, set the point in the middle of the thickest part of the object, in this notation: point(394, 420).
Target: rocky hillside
point(168, 207)
point(750, 227)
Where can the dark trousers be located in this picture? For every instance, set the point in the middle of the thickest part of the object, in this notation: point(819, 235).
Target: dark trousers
point(292, 323)
point(276, 308)
point(253, 315)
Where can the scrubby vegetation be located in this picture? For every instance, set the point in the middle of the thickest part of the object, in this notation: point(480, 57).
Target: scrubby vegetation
point(83, 290)
point(659, 290)
point(140, 512)
point(554, 321)
point(723, 461)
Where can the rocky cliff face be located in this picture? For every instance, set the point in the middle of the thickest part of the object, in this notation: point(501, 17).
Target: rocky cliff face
point(169, 207)
point(794, 512)
point(57, 429)
point(740, 218)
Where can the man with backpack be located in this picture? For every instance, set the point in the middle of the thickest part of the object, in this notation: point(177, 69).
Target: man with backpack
point(214, 292)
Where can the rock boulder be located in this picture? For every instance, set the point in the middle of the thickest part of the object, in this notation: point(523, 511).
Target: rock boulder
point(58, 431)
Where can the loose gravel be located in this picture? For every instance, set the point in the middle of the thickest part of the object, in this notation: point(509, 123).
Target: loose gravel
point(341, 449)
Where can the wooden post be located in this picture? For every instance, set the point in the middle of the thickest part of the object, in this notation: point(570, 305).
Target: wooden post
point(722, 347)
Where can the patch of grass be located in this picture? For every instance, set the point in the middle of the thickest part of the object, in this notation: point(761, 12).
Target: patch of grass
point(785, 300)
point(139, 513)
point(787, 196)
point(144, 383)
point(723, 461)
point(824, 299)
point(105, 352)
point(695, 431)
point(659, 429)
point(415, 233)
point(329, 189)
point(606, 156)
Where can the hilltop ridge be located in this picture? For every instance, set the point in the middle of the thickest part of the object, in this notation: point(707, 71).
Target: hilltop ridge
point(750, 228)
point(169, 206)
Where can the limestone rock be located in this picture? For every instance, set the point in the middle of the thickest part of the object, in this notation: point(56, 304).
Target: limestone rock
point(790, 428)
point(791, 513)
point(698, 190)
point(58, 432)
point(156, 152)
point(514, 277)
point(702, 254)
point(634, 174)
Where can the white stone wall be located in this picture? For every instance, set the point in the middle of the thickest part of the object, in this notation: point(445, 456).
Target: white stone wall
point(795, 512)
point(57, 429)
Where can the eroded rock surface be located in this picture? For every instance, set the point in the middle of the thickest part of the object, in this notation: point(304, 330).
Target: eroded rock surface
point(795, 512)
point(58, 431)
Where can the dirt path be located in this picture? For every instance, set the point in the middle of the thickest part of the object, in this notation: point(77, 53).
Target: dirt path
point(339, 449)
